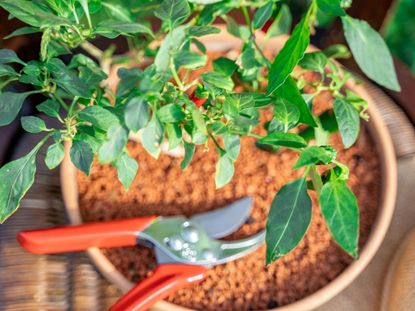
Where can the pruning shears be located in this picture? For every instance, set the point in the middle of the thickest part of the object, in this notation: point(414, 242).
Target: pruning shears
point(185, 248)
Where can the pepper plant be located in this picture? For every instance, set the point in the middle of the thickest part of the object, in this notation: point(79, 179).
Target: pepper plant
point(160, 100)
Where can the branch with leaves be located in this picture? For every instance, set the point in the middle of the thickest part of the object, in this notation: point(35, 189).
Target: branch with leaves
point(163, 104)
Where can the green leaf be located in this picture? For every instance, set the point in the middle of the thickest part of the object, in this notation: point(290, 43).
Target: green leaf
point(9, 56)
point(331, 7)
point(200, 31)
point(286, 116)
point(22, 31)
point(199, 121)
point(136, 113)
point(315, 155)
point(290, 55)
point(348, 121)
point(171, 113)
point(33, 124)
point(111, 149)
point(189, 60)
point(6, 71)
point(171, 43)
point(98, 117)
point(236, 29)
point(337, 51)
point(127, 169)
point(16, 179)
point(281, 24)
point(290, 92)
point(339, 208)
point(205, 1)
point(112, 29)
point(189, 151)
point(10, 105)
point(289, 140)
point(54, 155)
point(262, 15)
point(152, 137)
point(232, 145)
point(218, 80)
point(49, 107)
point(224, 171)
point(174, 134)
point(315, 61)
point(248, 58)
point(288, 219)
point(81, 156)
point(224, 66)
point(370, 52)
point(32, 13)
point(173, 11)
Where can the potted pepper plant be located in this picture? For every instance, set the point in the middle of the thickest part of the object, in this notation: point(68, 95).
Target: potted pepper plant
point(163, 94)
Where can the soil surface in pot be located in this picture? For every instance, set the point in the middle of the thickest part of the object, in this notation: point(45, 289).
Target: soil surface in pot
point(161, 188)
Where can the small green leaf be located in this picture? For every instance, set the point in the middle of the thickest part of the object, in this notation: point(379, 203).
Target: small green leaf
point(136, 113)
point(232, 145)
point(236, 29)
point(6, 71)
point(10, 105)
point(98, 117)
point(189, 151)
point(337, 51)
point(173, 11)
point(289, 140)
point(22, 31)
point(54, 155)
point(315, 61)
point(200, 31)
point(288, 219)
point(290, 55)
point(33, 124)
point(339, 208)
point(281, 24)
point(262, 15)
point(370, 52)
point(49, 107)
point(170, 113)
point(111, 149)
point(189, 60)
point(16, 179)
point(112, 29)
point(81, 156)
point(224, 66)
point(199, 121)
point(171, 43)
point(152, 137)
point(174, 134)
point(290, 92)
point(127, 169)
point(315, 155)
point(348, 121)
point(224, 171)
point(218, 80)
point(9, 56)
point(286, 116)
point(331, 7)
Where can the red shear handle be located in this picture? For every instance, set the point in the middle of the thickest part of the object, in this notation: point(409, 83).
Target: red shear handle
point(78, 238)
point(166, 279)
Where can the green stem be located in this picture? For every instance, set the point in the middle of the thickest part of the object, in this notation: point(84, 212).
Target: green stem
point(255, 135)
point(61, 102)
point(315, 179)
point(175, 75)
point(93, 50)
point(71, 108)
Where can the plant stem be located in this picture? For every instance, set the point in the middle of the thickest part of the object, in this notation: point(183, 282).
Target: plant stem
point(255, 135)
point(315, 179)
point(93, 50)
point(175, 75)
point(60, 101)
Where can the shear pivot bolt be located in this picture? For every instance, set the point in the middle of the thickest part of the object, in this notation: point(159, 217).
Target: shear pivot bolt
point(175, 243)
point(190, 233)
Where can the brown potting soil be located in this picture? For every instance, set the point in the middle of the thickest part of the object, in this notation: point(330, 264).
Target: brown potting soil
point(162, 188)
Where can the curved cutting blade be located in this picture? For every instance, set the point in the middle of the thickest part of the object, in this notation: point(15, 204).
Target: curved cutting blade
point(226, 220)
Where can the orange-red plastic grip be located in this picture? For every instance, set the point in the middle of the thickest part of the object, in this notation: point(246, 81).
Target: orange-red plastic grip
point(78, 238)
point(166, 279)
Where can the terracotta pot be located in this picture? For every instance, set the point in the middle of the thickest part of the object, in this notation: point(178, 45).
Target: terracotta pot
point(225, 42)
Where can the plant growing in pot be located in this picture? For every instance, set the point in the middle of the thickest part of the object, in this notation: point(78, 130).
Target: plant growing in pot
point(166, 101)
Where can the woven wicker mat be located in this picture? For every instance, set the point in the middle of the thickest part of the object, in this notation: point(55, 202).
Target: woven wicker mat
point(70, 281)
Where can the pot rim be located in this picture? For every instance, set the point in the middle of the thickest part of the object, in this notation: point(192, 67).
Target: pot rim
point(383, 143)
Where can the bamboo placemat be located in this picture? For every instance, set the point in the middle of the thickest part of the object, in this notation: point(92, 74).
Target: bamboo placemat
point(70, 281)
